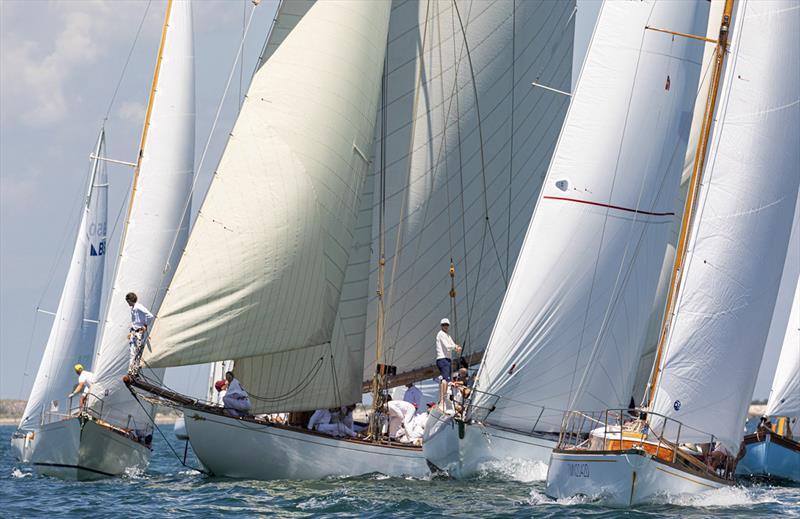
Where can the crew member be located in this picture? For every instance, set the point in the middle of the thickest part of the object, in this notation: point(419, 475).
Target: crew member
point(85, 381)
point(400, 413)
point(414, 396)
point(140, 320)
point(445, 345)
point(236, 401)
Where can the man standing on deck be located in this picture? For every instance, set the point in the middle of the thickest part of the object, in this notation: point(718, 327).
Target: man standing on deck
point(85, 381)
point(444, 349)
point(140, 319)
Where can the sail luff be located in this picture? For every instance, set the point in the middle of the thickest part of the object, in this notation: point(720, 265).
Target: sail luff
point(733, 267)
point(72, 335)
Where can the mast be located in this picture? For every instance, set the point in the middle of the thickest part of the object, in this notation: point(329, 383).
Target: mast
point(691, 198)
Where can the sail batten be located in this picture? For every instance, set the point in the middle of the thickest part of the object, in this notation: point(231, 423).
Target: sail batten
point(733, 265)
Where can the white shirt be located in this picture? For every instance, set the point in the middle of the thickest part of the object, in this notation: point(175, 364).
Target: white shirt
point(235, 389)
point(444, 345)
point(403, 410)
point(320, 417)
point(140, 316)
point(87, 379)
point(414, 396)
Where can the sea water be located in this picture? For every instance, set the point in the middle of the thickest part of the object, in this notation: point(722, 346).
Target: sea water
point(169, 489)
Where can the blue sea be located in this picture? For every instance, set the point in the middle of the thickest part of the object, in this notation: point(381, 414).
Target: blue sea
point(168, 489)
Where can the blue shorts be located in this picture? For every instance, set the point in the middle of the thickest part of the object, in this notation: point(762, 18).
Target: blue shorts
point(444, 368)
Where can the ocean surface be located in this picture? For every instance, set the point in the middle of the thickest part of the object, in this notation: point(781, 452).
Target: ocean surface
point(167, 489)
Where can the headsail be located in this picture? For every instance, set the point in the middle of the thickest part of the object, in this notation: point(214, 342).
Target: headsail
point(158, 219)
point(739, 237)
point(266, 265)
point(784, 399)
point(467, 141)
point(573, 320)
point(74, 329)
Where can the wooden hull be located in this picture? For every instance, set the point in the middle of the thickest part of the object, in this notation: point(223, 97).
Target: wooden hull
point(621, 478)
point(770, 456)
point(463, 450)
point(237, 448)
point(82, 450)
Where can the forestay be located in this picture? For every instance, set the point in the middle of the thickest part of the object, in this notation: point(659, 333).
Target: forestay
point(571, 327)
point(267, 260)
point(74, 328)
point(158, 215)
point(467, 141)
point(784, 398)
point(738, 241)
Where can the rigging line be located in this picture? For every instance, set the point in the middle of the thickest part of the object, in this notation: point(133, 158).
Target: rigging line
point(511, 144)
point(312, 374)
point(334, 377)
point(157, 428)
point(480, 139)
point(127, 61)
point(443, 145)
point(188, 203)
point(573, 395)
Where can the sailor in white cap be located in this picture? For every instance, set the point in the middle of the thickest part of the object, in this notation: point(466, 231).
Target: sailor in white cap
point(444, 348)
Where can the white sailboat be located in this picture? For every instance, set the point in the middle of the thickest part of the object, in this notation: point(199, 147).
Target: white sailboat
point(725, 282)
point(113, 432)
point(293, 354)
point(74, 328)
point(582, 288)
point(775, 452)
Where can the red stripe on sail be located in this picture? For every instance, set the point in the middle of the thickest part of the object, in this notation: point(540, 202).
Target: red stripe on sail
point(628, 209)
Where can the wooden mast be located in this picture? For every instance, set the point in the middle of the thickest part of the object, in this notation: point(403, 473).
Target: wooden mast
point(691, 198)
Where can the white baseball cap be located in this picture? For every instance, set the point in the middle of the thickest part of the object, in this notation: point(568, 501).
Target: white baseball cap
point(445, 321)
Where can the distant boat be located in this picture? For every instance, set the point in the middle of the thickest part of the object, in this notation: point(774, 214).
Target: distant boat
point(113, 432)
point(728, 267)
point(775, 453)
point(583, 286)
point(74, 328)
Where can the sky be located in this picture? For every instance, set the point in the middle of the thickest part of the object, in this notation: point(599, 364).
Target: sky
point(60, 62)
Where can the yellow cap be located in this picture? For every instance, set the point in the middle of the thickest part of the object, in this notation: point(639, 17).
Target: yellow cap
point(78, 368)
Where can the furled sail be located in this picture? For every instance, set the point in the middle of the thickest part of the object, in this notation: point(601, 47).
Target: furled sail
point(573, 320)
point(158, 220)
point(72, 335)
point(266, 267)
point(467, 140)
point(738, 241)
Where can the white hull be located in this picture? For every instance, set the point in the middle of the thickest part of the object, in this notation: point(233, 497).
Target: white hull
point(242, 449)
point(21, 447)
point(179, 429)
point(464, 453)
point(68, 449)
point(622, 479)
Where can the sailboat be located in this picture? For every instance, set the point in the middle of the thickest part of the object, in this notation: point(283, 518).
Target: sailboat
point(724, 283)
point(584, 282)
point(74, 328)
point(775, 452)
point(293, 309)
point(112, 433)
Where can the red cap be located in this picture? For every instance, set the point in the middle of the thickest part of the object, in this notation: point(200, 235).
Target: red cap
point(219, 385)
point(431, 404)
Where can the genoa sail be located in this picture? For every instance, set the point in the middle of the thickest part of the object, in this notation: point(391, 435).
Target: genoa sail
point(158, 216)
point(572, 323)
point(268, 262)
point(733, 267)
point(74, 329)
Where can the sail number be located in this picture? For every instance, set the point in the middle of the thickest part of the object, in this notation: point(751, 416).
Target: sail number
point(97, 229)
point(579, 470)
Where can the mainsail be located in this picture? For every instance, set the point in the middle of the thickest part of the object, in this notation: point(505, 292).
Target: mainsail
point(158, 215)
point(467, 139)
point(573, 320)
point(72, 335)
point(267, 274)
point(738, 239)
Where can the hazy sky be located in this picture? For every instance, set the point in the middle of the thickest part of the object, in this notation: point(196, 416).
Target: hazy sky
point(59, 64)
